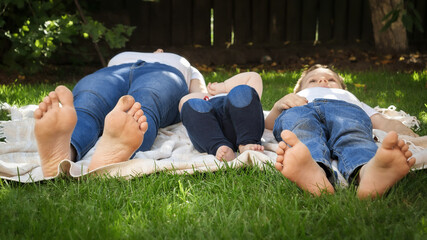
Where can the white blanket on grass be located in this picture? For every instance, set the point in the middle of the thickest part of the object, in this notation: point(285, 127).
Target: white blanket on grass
point(172, 151)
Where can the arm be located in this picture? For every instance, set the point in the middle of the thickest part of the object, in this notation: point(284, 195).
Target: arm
point(251, 79)
point(198, 86)
point(382, 123)
point(197, 82)
point(288, 101)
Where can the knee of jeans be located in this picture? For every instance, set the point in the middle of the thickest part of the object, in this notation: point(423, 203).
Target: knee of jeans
point(198, 105)
point(241, 96)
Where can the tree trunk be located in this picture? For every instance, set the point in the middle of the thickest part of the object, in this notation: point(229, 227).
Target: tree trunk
point(392, 39)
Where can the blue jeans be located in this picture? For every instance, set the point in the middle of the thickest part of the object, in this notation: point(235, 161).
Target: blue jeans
point(156, 86)
point(231, 120)
point(331, 129)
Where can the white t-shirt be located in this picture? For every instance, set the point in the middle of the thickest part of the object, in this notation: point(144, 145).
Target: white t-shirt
point(170, 59)
point(337, 94)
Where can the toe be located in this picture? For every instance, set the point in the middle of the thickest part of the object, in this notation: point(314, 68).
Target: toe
point(138, 115)
point(65, 95)
point(38, 113)
point(143, 127)
point(48, 103)
point(280, 151)
point(408, 154)
point(125, 103)
point(134, 109)
point(54, 99)
point(142, 119)
point(401, 143)
point(411, 162)
point(43, 107)
point(404, 148)
point(289, 137)
point(390, 140)
point(278, 166)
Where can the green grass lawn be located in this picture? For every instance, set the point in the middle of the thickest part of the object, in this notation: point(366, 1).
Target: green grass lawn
point(246, 203)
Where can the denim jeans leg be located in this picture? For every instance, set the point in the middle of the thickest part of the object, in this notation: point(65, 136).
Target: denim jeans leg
point(245, 110)
point(306, 124)
point(351, 140)
point(158, 88)
point(94, 97)
point(203, 127)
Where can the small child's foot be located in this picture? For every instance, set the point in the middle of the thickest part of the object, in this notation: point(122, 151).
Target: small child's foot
point(225, 153)
point(254, 147)
point(53, 129)
point(296, 164)
point(124, 131)
point(389, 165)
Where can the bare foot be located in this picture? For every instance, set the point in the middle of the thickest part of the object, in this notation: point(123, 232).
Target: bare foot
point(53, 128)
point(124, 131)
point(225, 153)
point(254, 147)
point(296, 164)
point(389, 165)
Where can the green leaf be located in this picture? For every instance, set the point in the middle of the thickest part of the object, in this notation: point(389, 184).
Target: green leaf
point(95, 29)
point(38, 44)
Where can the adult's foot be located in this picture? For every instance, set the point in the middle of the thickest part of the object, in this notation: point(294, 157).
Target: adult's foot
point(389, 165)
point(53, 128)
point(124, 131)
point(296, 164)
point(254, 147)
point(225, 153)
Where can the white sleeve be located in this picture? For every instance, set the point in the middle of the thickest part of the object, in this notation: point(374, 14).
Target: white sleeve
point(370, 111)
point(195, 74)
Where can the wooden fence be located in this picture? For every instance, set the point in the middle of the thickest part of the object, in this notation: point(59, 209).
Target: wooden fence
point(254, 22)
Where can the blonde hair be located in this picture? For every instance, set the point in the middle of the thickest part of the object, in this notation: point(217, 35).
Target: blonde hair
point(298, 86)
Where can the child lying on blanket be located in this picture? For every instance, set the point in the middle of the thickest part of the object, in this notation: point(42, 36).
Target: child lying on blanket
point(228, 119)
point(321, 120)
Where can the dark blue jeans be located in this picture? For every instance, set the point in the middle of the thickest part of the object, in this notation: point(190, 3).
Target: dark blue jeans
point(231, 120)
point(331, 129)
point(156, 86)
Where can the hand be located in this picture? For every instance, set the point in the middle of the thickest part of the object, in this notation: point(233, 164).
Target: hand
point(289, 101)
point(216, 88)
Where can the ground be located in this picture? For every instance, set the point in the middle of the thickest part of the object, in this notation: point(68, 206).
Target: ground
point(289, 57)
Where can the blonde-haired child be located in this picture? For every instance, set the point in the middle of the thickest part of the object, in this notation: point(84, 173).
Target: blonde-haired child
point(321, 121)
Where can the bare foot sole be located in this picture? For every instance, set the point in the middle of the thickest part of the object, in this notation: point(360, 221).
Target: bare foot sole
point(254, 147)
point(389, 165)
point(225, 153)
point(53, 128)
point(296, 164)
point(124, 131)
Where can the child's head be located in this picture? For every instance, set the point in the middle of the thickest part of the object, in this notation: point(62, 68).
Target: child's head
point(319, 76)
